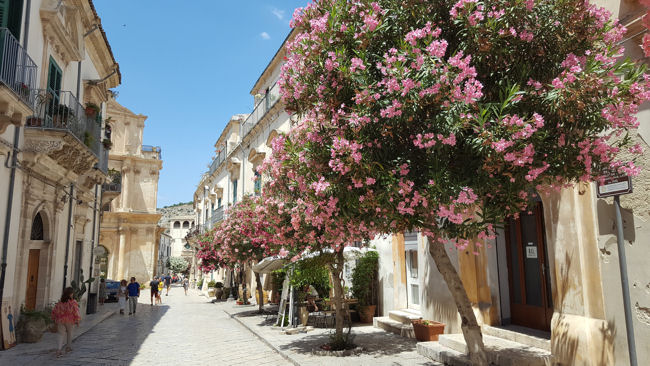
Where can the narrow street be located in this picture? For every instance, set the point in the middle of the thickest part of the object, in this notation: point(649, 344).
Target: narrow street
point(184, 330)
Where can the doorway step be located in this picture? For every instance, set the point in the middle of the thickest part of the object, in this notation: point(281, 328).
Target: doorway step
point(515, 333)
point(452, 350)
point(398, 322)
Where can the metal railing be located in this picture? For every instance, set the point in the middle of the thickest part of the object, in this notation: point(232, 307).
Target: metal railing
point(260, 110)
point(17, 70)
point(115, 183)
point(102, 165)
point(221, 156)
point(217, 215)
point(156, 150)
point(60, 110)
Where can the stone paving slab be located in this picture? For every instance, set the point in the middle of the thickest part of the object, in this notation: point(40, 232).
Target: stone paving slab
point(184, 330)
point(49, 341)
point(380, 347)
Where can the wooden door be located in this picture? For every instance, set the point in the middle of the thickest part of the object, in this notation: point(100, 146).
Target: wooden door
point(32, 278)
point(531, 304)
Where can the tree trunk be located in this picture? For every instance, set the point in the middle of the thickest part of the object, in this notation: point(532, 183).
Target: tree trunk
point(337, 268)
point(260, 291)
point(469, 325)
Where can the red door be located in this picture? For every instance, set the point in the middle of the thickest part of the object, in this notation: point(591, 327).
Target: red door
point(531, 304)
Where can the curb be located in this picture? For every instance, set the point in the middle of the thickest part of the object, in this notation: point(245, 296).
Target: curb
point(264, 340)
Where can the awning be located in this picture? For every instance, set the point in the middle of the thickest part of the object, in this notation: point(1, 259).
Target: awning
point(270, 264)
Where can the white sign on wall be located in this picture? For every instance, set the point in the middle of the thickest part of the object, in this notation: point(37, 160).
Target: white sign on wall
point(531, 252)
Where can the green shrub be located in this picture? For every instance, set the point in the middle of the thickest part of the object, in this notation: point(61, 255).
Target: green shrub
point(364, 279)
point(199, 283)
point(211, 284)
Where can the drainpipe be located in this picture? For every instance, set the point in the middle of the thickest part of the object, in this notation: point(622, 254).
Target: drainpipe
point(92, 248)
point(78, 80)
point(67, 237)
point(10, 198)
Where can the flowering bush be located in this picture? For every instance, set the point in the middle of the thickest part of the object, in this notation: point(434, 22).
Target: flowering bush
point(444, 116)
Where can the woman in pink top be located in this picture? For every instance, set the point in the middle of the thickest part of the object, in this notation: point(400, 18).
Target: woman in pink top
point(66, 314)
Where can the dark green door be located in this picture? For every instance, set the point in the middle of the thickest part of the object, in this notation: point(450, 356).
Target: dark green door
point(54, 76)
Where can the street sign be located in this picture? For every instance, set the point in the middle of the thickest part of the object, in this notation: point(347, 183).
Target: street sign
point(614, 184)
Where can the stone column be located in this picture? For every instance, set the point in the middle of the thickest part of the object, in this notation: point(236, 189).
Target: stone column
point(121, 253)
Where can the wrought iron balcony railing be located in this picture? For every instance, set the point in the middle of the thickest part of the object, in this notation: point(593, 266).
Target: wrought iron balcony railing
point(260, 110)
point(217, 215)
point(221, 156)
point(60, 110)
point(102, 165)
point(112, 187)
point(17, 70)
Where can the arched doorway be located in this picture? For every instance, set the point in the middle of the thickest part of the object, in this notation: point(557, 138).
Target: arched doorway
point(531, 303)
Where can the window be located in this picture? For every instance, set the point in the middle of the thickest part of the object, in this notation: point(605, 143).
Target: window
point(234, 191)
point(11, 16)
point(177, 225)
point(37, 228)
point(186, 225)
point(258, 183)
point(219, 202)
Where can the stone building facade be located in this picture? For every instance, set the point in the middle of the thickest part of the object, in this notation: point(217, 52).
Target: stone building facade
point(240, 149)
point(129, 230)
point(57, 71)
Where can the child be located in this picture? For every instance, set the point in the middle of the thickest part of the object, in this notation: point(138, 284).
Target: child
point(65, 314)
point(160, 287)
point(122, 296)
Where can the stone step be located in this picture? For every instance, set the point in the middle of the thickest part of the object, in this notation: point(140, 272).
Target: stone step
point(404, 316)
point(500, 351)
point(527, 336)
point(440, 353)
point(393, 326)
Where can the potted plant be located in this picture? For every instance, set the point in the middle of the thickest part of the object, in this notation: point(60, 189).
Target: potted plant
point(107, 144)
point(211, 290)
point(24, 90)
point(427, 330)
point(226, 293)
point(218, 292)
point(364, 285)
point(92, 110)
point(88, 139)
point(32, 324)
point(241, 301)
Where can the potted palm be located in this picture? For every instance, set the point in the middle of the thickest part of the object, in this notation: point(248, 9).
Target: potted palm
point(218, 292)
point(364, 285)
point(211, 290)
point(427, 330)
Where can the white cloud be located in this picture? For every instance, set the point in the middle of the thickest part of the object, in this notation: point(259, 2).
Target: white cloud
point(278, 13)
point(265, 35)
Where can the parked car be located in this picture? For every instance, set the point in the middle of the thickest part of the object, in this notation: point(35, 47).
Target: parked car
point(111, 289)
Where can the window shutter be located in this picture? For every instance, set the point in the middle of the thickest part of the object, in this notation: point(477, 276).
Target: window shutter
point(14, 17)
point(4, 13)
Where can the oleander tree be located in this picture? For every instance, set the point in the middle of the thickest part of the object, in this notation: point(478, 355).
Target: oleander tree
point(445, 116)
point(645, 43)
point(177, 264)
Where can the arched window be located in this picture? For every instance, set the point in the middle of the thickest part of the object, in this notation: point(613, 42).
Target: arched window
point(107, 207)
point(37, 228)
point(177, 225)
point(186, 225)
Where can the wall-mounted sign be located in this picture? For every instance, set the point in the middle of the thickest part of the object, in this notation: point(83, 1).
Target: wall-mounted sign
point(614, 184)
point(531, 252)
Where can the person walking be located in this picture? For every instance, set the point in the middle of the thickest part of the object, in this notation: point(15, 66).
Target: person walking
point(66, 314)
point(154, 289)
point(122, 296)
point(160, 290)
point(102, 291)
point(186, 284)
point(134, 293)
point(168, 283)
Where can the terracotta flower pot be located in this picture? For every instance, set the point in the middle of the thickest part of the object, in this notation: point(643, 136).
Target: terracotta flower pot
point(366, 313)
point(427, 330)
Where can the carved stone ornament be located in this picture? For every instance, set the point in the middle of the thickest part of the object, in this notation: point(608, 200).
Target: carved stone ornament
point(42, 146)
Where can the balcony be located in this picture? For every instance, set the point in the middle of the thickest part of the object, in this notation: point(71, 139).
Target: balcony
point(113, 186)
point(102, 165)
point(220, 158)
point(152, 152)
point(260, 110)
point(217, 215)
point(18, 74)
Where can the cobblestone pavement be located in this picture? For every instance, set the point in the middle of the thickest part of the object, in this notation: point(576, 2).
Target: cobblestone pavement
point(184, 330)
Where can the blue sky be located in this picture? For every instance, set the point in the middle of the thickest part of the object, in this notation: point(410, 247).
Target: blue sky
point(189, 66)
